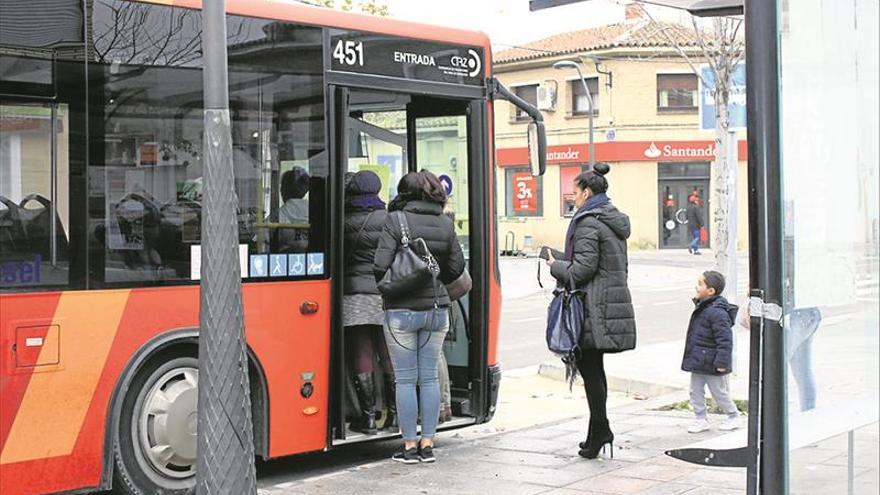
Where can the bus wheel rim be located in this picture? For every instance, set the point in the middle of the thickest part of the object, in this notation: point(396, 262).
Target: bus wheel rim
point(167, 423)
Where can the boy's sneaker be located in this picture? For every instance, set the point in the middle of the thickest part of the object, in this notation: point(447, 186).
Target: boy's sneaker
point(406, 456)
point(699, 426)
point(729, 425)
point(426, 454)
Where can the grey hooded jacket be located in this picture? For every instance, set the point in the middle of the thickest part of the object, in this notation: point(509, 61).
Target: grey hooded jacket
point(599, 267)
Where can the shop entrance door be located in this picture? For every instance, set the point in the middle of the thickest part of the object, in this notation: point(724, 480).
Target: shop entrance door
point(678, 182)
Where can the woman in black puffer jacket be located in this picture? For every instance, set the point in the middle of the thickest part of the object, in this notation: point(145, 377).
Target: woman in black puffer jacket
point(416, 322)
point(596, 262)
point(362, 313)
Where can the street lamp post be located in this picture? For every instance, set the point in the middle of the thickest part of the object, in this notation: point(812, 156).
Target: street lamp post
point(566, 64)
point(225, 442)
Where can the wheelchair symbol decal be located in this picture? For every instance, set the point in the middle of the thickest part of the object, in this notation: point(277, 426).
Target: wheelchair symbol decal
point(297, 265)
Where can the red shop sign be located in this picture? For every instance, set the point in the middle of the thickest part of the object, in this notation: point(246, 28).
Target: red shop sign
point(622, 151)
point(525, 193)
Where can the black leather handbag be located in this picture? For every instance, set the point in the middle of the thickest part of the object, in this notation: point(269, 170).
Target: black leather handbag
point(409, 270)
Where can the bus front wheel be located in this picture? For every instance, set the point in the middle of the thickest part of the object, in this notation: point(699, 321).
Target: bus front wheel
point(155, 448)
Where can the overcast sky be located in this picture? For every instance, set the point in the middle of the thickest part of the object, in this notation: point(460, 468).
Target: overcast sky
point(509, 22)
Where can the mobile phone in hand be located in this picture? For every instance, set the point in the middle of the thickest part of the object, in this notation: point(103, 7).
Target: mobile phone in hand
point(545, 253)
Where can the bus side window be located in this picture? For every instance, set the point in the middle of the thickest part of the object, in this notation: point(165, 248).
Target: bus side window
point(33, 228)
point(146, 126)
point(277, 109)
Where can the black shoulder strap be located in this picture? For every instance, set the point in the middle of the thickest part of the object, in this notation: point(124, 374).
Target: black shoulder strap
point(404, 228)
point(357, 239)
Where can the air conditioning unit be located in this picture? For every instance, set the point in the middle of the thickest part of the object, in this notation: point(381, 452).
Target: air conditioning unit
point(546, 98)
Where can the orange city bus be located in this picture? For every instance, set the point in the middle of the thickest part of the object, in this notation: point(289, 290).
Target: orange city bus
point(100, 187)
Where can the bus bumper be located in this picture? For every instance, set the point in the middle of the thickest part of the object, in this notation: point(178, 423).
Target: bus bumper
point(494, 387)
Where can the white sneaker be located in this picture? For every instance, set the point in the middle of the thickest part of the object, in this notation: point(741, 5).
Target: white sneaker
point(699, 426)
point(729, 424)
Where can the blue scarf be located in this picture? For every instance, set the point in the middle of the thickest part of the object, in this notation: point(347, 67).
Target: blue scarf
point(364, 202)
point(593, 202)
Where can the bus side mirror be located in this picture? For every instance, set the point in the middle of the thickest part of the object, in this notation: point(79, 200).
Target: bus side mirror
point(537, 140)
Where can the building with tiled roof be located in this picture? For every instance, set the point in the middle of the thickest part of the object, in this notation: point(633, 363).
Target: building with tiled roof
point(636, 33)
point(647, 125)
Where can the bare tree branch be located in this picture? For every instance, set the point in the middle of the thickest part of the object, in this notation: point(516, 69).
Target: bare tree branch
point(707, 54)
point(674, 45)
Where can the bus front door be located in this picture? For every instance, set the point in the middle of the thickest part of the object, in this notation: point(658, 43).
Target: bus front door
point(391, 134)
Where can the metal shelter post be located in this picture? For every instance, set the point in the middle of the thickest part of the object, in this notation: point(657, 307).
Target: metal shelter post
point(765, 241)
point(225, 433)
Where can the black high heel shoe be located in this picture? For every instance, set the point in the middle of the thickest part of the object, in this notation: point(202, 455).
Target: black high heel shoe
point(601, 435)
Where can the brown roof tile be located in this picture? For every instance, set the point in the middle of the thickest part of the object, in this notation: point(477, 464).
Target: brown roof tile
point(625, 35)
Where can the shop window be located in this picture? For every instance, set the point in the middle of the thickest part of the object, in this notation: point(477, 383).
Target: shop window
point(524, 193)
point(579, 103)
point(567, 175)
point(529, 93)
point(145, 177)
point(677, 93)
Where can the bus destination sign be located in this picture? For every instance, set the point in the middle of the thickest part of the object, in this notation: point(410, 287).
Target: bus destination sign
point(368, 53)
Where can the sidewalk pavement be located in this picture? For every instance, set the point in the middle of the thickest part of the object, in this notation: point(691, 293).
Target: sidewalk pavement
point(843, 362)
point(543, 460)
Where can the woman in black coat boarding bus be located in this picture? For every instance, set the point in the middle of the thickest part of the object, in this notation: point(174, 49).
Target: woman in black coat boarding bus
point(596, 263)
point(416, 322)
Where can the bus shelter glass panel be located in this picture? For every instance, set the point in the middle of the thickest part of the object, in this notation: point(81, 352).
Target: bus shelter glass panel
point(829, 123)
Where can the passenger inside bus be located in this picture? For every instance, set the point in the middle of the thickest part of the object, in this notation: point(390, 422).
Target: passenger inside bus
point(294, 187)
point(294, 212)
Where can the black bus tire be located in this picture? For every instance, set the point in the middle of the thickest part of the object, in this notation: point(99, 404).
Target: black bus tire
point(137, 472)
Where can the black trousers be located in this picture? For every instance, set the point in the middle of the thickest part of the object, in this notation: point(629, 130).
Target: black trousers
point(591, 365)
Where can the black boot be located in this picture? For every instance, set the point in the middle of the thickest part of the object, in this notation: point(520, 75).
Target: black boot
point(586, 442)
point(391, 402)
point(601, 435)
point(363, 384)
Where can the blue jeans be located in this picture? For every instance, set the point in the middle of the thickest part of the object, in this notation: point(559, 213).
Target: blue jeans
point(801, 326)
point(415, 340)
point(695, 240)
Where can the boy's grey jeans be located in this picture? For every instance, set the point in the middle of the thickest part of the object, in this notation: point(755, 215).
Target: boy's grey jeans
point(719, 387)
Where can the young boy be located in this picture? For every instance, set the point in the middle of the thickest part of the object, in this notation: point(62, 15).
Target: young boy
point(707, 351)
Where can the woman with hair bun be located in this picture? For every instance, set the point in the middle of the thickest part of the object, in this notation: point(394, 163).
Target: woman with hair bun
point(596, 263)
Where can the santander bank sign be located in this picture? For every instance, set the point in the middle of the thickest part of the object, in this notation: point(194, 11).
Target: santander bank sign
point(670, 150)
point(621, 151)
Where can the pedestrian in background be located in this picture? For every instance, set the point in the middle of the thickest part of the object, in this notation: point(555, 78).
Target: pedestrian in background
point(707, 352)
point(695, 223)
point(596, 262)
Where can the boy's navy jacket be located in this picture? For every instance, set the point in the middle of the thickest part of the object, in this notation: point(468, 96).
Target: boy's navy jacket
point(709, 342)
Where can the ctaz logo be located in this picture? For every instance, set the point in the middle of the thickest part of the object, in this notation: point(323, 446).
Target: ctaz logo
point(653, 151)
point(472, 63)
